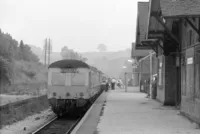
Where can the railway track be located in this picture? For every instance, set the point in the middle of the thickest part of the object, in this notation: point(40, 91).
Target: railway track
point(62, 125)
point(57, 125)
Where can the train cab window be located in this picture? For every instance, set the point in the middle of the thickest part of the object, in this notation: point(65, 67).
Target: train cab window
point(78, 79)
point(58, 78)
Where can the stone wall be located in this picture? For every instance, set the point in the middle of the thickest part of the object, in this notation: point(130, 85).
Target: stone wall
point(190, 101)
point(17, 111)
point(191, 108)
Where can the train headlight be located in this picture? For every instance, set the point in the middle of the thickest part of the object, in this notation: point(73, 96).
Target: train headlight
point(81, 94)
point(67, 94)
point(54, 94)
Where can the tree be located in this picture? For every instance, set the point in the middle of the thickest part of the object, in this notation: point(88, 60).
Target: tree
point(21, 45)
point(64, 52)
point(5, 70)
point(28, 55)
point(21, 50)
point(102, 47)
point(84, 59)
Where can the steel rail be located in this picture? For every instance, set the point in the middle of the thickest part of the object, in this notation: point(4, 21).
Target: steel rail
point(43, 126)
point(73, 126)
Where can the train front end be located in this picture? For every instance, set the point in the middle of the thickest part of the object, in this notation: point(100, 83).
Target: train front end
point(68, 87)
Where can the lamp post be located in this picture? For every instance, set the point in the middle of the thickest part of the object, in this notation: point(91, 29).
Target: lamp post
point(125, 79)
point(134, 66)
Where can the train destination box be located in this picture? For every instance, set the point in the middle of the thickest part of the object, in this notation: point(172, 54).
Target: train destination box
point(69, 70)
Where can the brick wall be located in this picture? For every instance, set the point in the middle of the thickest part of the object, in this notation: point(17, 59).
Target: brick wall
point(191, 109)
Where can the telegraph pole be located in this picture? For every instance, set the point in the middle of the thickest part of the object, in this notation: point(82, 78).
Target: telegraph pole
point(49, 50)
point(45, 52)
point(49, 47)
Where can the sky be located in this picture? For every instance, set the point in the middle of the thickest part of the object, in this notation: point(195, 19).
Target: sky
point(79, 24)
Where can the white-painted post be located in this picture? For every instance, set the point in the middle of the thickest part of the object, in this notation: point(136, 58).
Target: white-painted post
point(140, 70)
point(150, 89)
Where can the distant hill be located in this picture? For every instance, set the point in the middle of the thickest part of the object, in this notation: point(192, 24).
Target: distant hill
point(110, 63)
point(93, 56)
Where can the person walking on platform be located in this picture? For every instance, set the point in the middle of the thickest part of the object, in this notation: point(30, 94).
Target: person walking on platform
point(119, 83)
point(113, 84)
point(107, 85)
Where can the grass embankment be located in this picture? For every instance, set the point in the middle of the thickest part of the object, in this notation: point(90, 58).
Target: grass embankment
point(28, 78)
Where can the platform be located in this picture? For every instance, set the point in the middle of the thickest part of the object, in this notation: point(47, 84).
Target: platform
point(120, 112)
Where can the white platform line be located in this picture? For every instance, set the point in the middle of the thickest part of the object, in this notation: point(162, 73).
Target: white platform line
point(84, 117)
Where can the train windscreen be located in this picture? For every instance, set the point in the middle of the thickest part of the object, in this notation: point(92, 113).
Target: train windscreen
point(58, 79)
point(78, 79)
point(69, 77)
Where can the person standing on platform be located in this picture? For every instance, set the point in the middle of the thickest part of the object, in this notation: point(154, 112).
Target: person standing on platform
point(107, 85)
point(148, 88)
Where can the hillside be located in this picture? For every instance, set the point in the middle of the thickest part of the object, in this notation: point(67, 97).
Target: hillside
point(28, 78)
point(20, 69)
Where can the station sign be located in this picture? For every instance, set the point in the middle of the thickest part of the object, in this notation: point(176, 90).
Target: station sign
point(190, 60)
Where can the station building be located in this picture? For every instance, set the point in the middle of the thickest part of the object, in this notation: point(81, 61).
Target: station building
point(172, 32)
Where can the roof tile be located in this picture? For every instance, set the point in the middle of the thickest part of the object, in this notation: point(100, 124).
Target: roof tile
point(142, 19)
point(178, 8)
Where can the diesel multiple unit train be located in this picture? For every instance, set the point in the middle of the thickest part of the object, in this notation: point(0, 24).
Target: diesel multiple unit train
point(72, 84)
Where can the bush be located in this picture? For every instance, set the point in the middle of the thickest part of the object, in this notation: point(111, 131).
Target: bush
point(30, 74)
